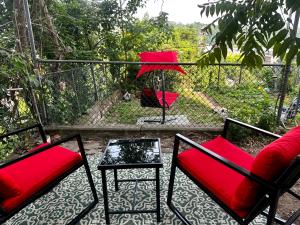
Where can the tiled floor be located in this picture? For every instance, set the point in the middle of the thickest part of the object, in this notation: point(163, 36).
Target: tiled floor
point(70, 197)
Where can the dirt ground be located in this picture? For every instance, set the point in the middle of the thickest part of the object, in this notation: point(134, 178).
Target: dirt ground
point(287, 204)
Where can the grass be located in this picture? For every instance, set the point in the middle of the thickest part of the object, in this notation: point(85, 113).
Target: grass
point(128, 112)
point(246, 103)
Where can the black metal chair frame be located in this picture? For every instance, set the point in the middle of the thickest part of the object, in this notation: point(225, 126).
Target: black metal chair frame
point(273, 190)
point(5, 216)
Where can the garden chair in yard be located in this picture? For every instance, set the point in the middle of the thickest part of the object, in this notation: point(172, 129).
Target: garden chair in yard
point(25, 179)
point(244, 186)
point(152, 97)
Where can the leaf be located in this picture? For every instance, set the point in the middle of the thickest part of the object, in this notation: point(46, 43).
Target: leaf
point(229, 44)
point(217, 52)
point(275, 49)
point(218, 37)
point(291, 54)
point(207, 11)
point(203, 61)
point(212, 58)
point(281, 35)
point(224, 50)
point(212, 10)
point(298, 59)
point(277, 38)
point(260, 38)
point(283, 47)
point(259, 61)
point(218, 9)
point(293, 4)
point(240, 41)
point(202, 11)
point(289, 20)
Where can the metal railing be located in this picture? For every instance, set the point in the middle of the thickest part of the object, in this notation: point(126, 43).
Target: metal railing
point(106, 94)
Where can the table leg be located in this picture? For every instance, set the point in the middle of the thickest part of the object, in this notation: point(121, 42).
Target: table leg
point(116, 180)
point(157, 195)
point(105, 196)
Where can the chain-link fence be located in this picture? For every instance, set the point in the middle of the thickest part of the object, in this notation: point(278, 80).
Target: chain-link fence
point(109, 94)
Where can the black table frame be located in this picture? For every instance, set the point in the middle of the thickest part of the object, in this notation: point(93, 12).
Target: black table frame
point(115, 167)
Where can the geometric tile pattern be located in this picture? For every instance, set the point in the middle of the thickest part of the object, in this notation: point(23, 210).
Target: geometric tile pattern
point(67, 199)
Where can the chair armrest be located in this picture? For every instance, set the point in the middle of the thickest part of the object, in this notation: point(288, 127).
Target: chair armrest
point(245, 125)
point(44, 148)
point(229, 164)
point(39, 126)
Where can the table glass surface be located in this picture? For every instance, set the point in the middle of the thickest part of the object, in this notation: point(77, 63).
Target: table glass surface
point(134, 151)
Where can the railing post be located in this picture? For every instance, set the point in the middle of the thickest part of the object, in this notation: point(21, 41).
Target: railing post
point(240, 77)
point(286, 72)
point(209, 78)
point(75, 86)
point(219, 72)
point(94, 82)
point(30, 31)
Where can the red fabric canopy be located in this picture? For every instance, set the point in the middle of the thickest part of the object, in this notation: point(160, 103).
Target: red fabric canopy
point(169, 56)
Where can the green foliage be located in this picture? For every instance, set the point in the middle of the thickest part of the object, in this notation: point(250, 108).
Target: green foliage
point(185, 40)
point(251, 26)
point(15, 72)
point(7, 147)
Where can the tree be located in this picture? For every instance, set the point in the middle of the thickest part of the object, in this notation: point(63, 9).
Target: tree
point(253, 26)
point(185, 39)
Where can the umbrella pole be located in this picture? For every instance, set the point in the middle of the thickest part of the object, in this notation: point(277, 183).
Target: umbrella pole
point(163, 97)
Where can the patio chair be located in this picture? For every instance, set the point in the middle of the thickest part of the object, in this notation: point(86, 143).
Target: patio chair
point(244, 186)
point(25, 179)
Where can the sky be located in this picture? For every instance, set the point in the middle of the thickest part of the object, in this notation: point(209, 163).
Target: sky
point(180, 11)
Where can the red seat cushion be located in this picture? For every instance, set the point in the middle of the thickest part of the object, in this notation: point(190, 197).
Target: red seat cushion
point(268, 164)
point(219, 179)
point(35, 172)
point(170, 98)
point(8, 187)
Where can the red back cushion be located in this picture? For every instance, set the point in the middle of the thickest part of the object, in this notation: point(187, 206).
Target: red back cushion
point(147, 92)
point(8, 187)
point(268, 164)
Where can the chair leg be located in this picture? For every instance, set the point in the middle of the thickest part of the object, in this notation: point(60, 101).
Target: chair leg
point(87, 168)
point(272, 209)
point(91, 182)
point(171, 182)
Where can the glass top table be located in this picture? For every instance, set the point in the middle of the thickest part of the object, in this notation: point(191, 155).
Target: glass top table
point(131, 153)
